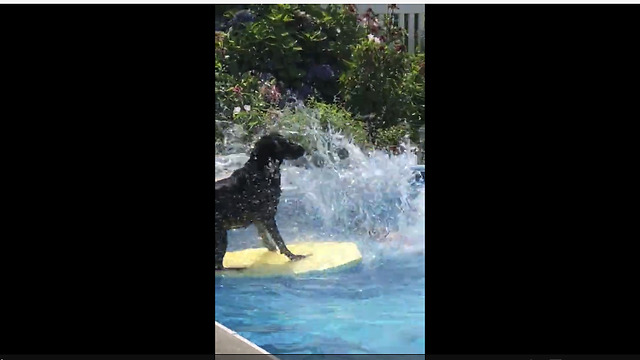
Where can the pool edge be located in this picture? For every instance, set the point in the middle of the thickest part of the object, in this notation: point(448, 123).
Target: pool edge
point(228, 342)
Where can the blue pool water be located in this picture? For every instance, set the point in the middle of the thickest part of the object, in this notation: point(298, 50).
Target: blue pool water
point(372, 308)
point(377, 306)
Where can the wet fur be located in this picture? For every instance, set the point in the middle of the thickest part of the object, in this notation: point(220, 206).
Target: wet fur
point(251, 196)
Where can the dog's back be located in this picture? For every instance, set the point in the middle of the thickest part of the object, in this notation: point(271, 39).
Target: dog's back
point(248, 194)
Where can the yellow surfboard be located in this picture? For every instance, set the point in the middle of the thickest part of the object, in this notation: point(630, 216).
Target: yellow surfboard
point(321, 256)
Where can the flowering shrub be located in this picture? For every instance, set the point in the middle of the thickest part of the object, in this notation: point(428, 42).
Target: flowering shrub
point(352, 71)
point(384, 83)
point(299, 44)
point(244, 99)
point(239, 101)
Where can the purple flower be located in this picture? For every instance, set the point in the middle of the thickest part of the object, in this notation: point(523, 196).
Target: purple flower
point(322, 72)
point(266, 76)
point(290, 96)
point(269, 65)
point(242, 17)
point(305, 91)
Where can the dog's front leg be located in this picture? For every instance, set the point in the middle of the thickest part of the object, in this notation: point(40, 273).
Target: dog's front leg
point(221, 246)
point(272, 228)
point(264, 235)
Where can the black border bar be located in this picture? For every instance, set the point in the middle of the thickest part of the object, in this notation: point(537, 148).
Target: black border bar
point(319, 357)
point(108, 357)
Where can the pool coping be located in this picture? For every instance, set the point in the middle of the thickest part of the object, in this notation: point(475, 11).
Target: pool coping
point(229, 342)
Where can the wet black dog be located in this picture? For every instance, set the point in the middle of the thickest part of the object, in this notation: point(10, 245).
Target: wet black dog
point(251, 195)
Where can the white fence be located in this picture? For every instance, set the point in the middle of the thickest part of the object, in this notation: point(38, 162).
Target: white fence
point(408, 16)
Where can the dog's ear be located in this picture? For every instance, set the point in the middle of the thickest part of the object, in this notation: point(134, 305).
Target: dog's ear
point(268, 147)
point(277, 143)
point(278, 149)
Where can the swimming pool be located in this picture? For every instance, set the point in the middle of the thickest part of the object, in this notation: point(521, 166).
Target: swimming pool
point(375, 307)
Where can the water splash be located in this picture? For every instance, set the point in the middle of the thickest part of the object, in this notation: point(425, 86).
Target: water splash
point(341, 193)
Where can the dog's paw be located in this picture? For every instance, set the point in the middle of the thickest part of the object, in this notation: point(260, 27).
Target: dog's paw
point(294, 257)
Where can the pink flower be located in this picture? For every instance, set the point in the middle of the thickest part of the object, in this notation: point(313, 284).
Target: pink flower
point(270, 93)
point(373, 38)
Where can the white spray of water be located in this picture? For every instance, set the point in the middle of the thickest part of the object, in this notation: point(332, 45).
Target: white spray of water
point(359, 198)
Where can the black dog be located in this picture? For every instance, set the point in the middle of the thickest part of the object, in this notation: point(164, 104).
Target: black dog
point(252, 193)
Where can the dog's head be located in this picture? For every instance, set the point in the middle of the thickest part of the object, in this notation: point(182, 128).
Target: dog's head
point(274, 146)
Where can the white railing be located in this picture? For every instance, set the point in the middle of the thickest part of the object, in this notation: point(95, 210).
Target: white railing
point(408, 16)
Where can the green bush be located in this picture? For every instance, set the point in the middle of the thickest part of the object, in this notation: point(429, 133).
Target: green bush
point(391, 136)
point(298, 44)
point(384, 83)
point(244, 99)
point(355, 74)
point(413, 86)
